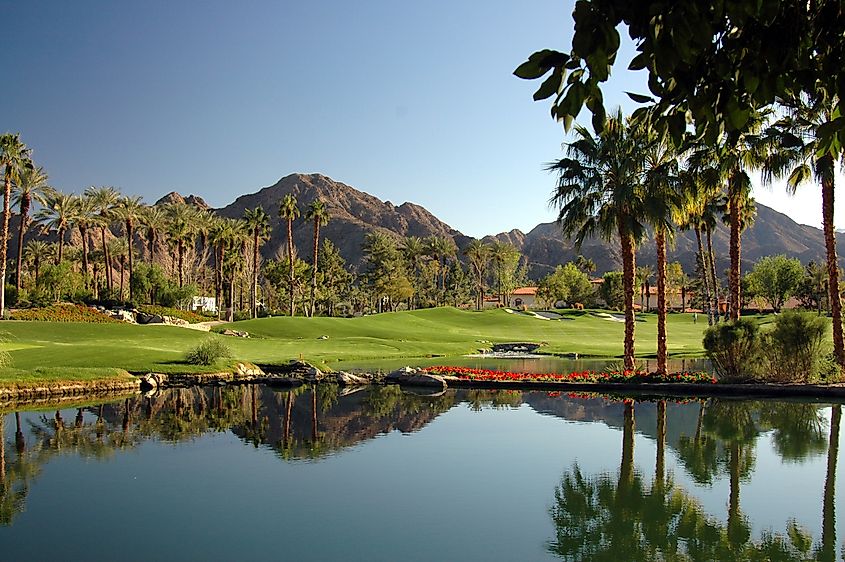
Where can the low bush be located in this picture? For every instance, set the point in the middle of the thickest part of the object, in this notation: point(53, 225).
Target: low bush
point(207, 352)
point(734, 347)
point(185, 315)
point(795, 347)
point(64, 313)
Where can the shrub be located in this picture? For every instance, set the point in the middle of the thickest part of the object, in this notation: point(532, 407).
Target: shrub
point(207, 352)
point(734, 348)
point(185, 315)
point(11, 295)
point(794, 348)
point(64, 313)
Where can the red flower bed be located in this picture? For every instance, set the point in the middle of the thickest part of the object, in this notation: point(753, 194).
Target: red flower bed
point(469, 373)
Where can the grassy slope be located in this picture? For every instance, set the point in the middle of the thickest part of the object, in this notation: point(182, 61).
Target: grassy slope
point(443, 331)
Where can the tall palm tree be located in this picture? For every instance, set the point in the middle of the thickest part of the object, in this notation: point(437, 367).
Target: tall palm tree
point(82, 217)
point(258, 223)
point(599, 191)
point(30, 186)
point(318, 213)
point(440, 249)
point(181, 229)
point(219, 237)
point(119, 250)
point(290, 212)
point(736, 153)
point(37, 252)
point(104, 199)
point(660, 181)
point(129, 211)
point(14, 158)
point(56, 215)
point(800, 155)
point(154, 220)
point(478, 254)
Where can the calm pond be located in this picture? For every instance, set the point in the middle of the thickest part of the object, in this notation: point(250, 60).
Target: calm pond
point(234, 473)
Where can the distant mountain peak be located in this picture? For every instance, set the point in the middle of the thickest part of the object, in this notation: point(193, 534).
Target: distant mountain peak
point(175, 197)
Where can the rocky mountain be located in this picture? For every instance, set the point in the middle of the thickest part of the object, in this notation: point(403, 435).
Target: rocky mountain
point(545, 246)
point(174, 197)
point(353, 215)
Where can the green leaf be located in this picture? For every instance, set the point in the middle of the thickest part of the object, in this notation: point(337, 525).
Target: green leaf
point(640, 98)
point(639, 62)
point(540, 63)
point(550, 86)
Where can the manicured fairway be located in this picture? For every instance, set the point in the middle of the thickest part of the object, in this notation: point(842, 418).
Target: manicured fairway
point(443, 331)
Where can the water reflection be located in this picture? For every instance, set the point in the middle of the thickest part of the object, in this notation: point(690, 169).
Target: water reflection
point(656, 512)
point(598, 516)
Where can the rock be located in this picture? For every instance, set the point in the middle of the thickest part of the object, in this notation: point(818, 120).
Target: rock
point(146, 318)
point(249, 370)
point(312, 374)
point(324, 337)
point(124, 315)
point(235, 333)
point(348, 379)
point(408, 376)
point(172, 320)
point(153, 381)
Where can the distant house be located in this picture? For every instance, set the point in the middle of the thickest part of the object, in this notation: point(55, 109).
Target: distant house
point(204, 304)
point(524, 296)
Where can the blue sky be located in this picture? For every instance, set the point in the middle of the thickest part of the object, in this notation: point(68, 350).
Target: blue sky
point(409, 101)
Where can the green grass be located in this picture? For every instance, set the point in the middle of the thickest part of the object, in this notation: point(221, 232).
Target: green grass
point(60, 349)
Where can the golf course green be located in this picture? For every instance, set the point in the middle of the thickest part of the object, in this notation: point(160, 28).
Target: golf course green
point(78, 351)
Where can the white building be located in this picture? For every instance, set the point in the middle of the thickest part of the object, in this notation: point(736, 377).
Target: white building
point(204, 304)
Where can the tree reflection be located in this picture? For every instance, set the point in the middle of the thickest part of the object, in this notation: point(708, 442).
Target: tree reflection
point(598, 517)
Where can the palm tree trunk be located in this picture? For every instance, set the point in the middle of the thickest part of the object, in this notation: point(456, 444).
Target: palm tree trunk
point(714, 285)
point(180, 249)
point(735, 250)
point(83, 232)
point(24, 218)
point(121, 278)
point(129, 236)
point(734, 519)
point(660, 461)
point(703, 270)
point(218, 281)
point(314, 269)
point(151, 246)
point(106, 259)
point(292, 305)
point(4, 239)
point(660, 242)
point(288, 408)
point(626, 469)
point(314, 414)
point(254, 289)
point(2, 452)
point(230, 310)
point(61, 246)
point(20, 442)
point(628, 273)
point(37, 265)
point(828, 551)
point(832, 264)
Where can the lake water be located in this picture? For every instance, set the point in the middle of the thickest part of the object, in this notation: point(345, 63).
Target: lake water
point(251, 472)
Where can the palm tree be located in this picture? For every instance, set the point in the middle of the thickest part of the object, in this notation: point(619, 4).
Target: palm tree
point(30, 185)
point(56, 214)
point(181, 229)
point(289, 212)
point(119, 249)
point(14, 158)
point(692, 215)
point(258, 223)
point(37, 252)
point(220, 236)
point(800, 156)
point(733, 157)
point(155, 221)
point(440, 248)
point(129, 210)
point(104, 199)
point(660, 181)
point(318, 213)
point(413, 249)
point(82, 216)
point(478, 254)
point(599, 191)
